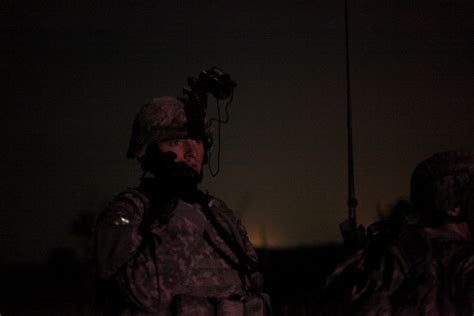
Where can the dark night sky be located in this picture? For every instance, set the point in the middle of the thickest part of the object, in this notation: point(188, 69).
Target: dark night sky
point(74, 76)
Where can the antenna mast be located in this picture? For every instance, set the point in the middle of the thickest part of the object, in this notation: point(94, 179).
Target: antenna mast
point(351, 201)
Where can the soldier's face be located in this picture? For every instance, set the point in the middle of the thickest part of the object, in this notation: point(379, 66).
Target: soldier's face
point(189, 151)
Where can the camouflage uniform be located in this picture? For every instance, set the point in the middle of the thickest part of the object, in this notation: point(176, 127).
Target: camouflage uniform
point(161, 254)
point(423, 268)
point(424, 271)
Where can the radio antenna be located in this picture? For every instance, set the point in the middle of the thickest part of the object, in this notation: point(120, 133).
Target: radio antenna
point(351, 201)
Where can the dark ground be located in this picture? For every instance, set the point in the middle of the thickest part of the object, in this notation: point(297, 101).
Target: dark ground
point(65, 286)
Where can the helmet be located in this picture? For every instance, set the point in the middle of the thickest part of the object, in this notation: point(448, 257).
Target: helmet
point(160, 119)
point(443, 182)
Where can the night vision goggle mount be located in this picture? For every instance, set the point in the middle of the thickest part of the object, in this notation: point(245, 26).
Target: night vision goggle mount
point(221, 86)
point(213, 81)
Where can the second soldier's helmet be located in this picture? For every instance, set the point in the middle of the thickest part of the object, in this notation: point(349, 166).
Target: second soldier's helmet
point(443, 182)
point(161, 119)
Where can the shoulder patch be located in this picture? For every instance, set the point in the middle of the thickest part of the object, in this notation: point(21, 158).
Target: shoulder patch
point(127, 208)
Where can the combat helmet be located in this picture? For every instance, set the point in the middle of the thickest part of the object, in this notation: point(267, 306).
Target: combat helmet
point(161, 119)
point(443, 182)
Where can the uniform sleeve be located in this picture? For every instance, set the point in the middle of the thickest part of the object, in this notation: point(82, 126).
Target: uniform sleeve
point(363, 284)
point(237, 229)
point(117, 235)
point(248, 246)
point(256, 277)
point(466, 286)
point(124, 251)
point(142, 260)
point(235, 226)
point(373, 294)
point(163, 260)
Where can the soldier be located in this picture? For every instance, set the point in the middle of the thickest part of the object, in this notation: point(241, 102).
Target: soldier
point(165, 247)
point(426, 268)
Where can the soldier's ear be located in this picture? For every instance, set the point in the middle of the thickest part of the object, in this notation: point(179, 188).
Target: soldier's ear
point(455, 212)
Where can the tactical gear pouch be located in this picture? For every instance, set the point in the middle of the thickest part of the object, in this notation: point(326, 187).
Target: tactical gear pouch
point(250, 305)
point(254, 305)
point(230, 307)
point(257, 305)
point(188, 305)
